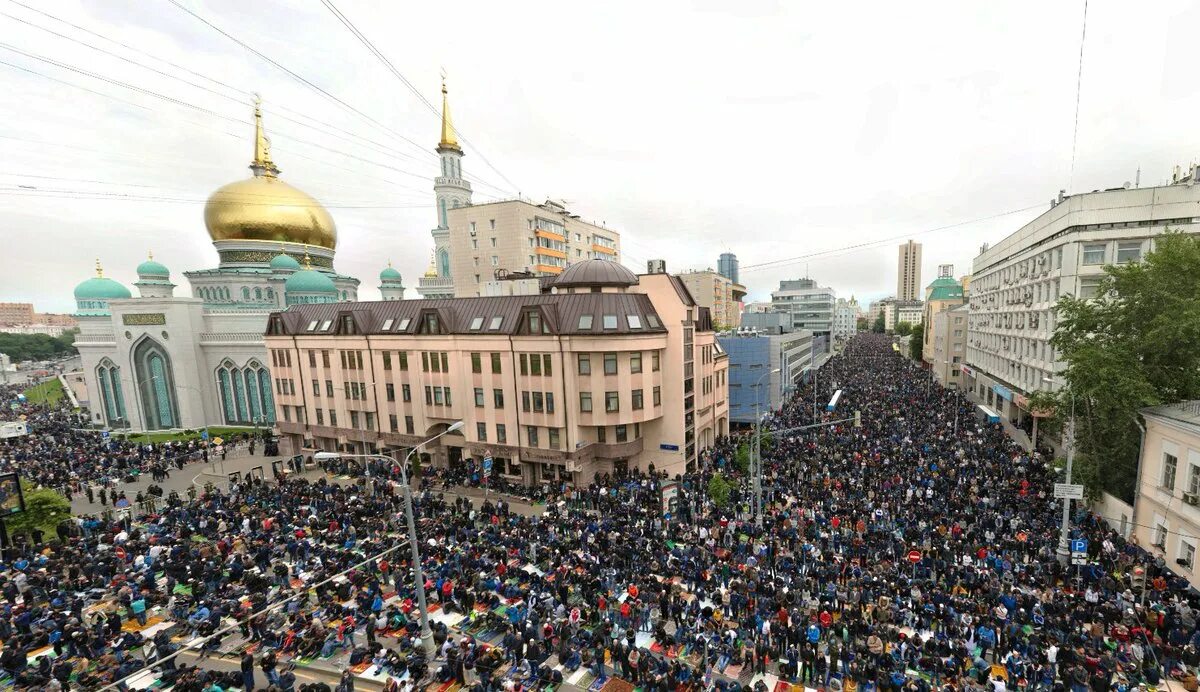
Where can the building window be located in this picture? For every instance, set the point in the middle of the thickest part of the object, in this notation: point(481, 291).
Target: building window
point(534, 320)
point(654, 361)
point(531, 437)
point(523, 359)
point(425, 361)
point(501, 434)
point(1129, 252)
point(1169, 466)
point(1160, 536)
point(479, 397)
point(610, 363)
point(535, 365)
point(585, 322)
point(610, 321)
point(658, 396)
point(476, 363)
point(329, 388)
point(585, 402)
point(333, 418)
point(601, 434)
point(354, 419)
point(316, 385)
point(387, 360)
point(1187, 555)
point(320, 417)
point(1089, 287)
point(612, 402)
point(537, 402)
point(554, 441)
point(481, 432)
point(391, 391)
point(637, 399)
point(547, 370)
point(498, 398)
point(408, 425)
point(1093, 254)
point(585, 364)
point(428, 395)
point(622, 433)
point(393, 423)
point(406, 392)
point(495, 363)
point(525, 402)
point(635, 362)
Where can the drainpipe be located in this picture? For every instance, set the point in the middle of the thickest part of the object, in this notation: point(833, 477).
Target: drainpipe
point(1138, 477)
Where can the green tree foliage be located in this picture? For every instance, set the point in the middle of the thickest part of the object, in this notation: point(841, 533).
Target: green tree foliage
point(44, 508)
point(862, 324)
point(1136, 344)
point(741, 457)
point(916, 342)
point(879, 324)
point(23, 347)
point(719, 489)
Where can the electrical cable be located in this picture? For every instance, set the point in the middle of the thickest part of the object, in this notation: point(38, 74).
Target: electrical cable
point(1078, 90)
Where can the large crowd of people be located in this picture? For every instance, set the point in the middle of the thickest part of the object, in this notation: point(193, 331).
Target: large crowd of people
point(276, 575)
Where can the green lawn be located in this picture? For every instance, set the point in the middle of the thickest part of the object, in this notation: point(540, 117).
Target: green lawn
point(169, 436)
point(49, 392)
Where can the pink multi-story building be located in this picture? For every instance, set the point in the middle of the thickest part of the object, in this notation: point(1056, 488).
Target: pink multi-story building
point(600, 370)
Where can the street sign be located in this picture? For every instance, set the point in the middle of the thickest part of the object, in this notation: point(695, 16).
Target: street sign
point(104, 434)
point(914, 556)
point(203, 434)
point(487, 466)
point(1079, 560)
point(1070, 491)
point(1079, 545)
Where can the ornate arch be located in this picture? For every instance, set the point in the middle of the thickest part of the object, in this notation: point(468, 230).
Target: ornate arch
point(108, 379)
point(155, 381)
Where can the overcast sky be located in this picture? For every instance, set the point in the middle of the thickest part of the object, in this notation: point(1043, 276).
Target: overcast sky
point(770, 129)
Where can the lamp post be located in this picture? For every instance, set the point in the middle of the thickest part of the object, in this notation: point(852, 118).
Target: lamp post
point(757, 460)
point(418, 575)
point(1064, 548)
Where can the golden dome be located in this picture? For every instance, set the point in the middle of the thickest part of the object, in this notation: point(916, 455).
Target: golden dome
point(266, 208)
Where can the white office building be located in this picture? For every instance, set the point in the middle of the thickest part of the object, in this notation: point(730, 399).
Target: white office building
point(810, 307)
point(1016, 282)
point(845, 318)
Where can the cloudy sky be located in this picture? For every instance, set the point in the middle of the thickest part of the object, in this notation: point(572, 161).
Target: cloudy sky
point(775, 130)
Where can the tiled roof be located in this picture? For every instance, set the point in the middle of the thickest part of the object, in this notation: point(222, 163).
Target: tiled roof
point(560, 312)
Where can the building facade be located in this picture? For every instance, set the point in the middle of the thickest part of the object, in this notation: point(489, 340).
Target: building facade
point(722, 296)
point(908, 272)
point(845, 318)
point(603, 370)
point(1016, 282)
point(944, 293)
point(161, 361)
point(809, 306)
point(727, 266)
point(515, 236)
point(946, 345)
point(753, 388)
point(1166, 518)
point(908, 311)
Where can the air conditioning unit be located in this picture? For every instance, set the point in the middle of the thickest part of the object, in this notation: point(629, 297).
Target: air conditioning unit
point(1182, 562)
point(1191, 499)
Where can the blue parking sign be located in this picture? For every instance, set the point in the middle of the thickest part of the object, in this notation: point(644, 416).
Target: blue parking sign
point(1079, 545)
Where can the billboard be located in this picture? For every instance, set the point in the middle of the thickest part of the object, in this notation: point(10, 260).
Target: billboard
point(12, 501)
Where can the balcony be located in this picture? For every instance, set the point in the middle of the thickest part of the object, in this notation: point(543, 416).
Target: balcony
point(604, 249)
point(618, 450)
point(550, 252)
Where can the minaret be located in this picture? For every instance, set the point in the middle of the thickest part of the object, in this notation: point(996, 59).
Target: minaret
point(450, 188)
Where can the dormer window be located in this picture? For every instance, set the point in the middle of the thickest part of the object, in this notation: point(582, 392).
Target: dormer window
point(535, 321)
point(610, 321)
point(325, 325)
point(429, 323)
point(476, 324)
point(652, 320)
point(635, 322)
point(387, 324)
point(312, 325)
point(404, 324)
point(495, 324)
point(585, 322)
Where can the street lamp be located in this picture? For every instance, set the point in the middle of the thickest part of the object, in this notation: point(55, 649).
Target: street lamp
point(1064, 548)
point(758, 447)
point(418, 575)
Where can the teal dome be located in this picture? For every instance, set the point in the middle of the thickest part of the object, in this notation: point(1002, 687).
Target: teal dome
point(152, 268)
point(390, 274)
point(309, 281)
point(101, 288)
point(284, 262)
point(943, 281)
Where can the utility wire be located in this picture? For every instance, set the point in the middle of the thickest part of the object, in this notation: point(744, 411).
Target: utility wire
point(404, 80)
point(794, 260)
point(61, 193)
point(1078, 90)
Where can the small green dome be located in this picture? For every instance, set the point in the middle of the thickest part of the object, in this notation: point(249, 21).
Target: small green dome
point(154, 269)
point(390, 274)
point(943, 281)
point(309, 281)
point(284, 262)
point(101, 288)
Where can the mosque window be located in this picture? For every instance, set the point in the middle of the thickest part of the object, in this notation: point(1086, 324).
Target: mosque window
point(343, 295)
point(245, 293)
point(270, 294)
point(258, 294)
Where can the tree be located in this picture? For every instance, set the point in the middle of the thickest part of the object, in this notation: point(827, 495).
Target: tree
point(719, 489)
point(861, 324)
point(44, 508)
point(741, 457)
point(1135, 344)
point(916, 342)
point(879, 324)
point(23, 347)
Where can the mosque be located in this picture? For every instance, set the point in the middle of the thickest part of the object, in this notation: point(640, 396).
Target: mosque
point(159, 361)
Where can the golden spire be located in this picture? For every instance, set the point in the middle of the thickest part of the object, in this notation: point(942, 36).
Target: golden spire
point(99, 269)
point(307, 259)
point(262, 164)
point(449, 136)
point(431, 272)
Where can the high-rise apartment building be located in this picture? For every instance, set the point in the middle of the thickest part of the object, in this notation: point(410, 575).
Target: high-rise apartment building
point(727, 266)
point(602, 371)
point(715, 291)
point(810, 306)
point(908, 272)
point(1016, 282)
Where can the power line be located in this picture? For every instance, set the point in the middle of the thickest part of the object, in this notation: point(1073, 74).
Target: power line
point(404, 80)
point(63, 193)
point(1078, 90)
point(859, 246)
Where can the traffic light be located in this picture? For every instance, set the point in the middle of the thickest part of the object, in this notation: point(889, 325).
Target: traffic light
point(858, 419)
